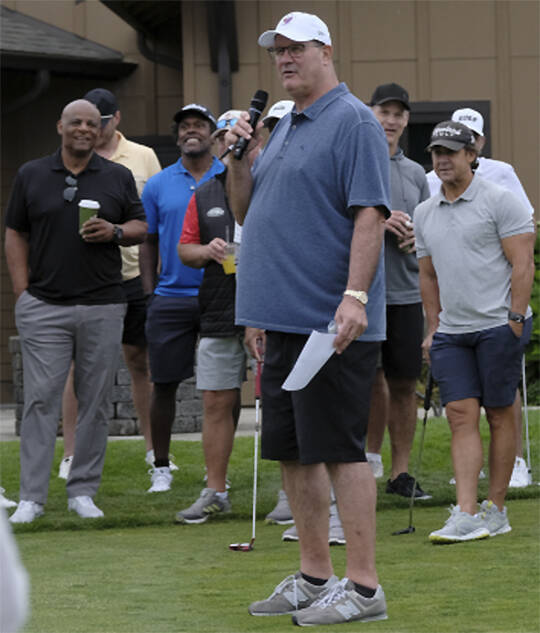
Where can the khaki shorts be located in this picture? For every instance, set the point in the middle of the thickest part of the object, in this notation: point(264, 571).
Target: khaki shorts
point(221, 363)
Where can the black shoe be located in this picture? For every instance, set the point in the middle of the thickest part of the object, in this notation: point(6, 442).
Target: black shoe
point(403, 485)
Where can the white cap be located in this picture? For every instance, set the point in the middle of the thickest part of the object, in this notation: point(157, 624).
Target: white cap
point(471, 118)
point(299, 27)
point(279, 109)
point(226, 121)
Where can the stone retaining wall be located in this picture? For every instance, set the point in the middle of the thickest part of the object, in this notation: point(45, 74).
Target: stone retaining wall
point(123, 418)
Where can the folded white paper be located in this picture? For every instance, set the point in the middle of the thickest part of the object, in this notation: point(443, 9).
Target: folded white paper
point(317, 350)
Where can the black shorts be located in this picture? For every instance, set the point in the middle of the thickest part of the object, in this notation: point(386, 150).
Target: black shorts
point(135, 319)
point(327, 420)
point(402, 351)
point(172, 328)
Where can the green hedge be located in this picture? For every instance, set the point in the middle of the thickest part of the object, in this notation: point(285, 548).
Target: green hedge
point(532, 355)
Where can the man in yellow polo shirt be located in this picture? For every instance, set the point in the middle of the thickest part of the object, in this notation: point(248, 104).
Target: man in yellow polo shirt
point(143, 163)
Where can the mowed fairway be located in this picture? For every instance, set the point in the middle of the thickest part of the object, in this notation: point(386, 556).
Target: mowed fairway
point(136, 572)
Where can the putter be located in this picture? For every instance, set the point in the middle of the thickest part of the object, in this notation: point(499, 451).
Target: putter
point(247, 547)
point(526, 412)
point(427, 406)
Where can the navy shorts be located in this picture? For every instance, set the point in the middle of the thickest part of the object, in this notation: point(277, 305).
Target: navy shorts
point(402, 351)
point(327, 420)
point(172, 328)
point(135, 319)
point(484, 364)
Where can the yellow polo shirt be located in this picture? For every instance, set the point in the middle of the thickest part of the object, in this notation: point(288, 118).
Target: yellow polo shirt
point(143, 163)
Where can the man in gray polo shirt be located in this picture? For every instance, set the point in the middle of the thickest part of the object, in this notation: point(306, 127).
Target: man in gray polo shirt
point(474, 244)
point(394, 390)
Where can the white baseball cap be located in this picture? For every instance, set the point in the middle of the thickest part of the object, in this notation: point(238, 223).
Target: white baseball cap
point(279, 110)
point(299, 27)
point(471, 118)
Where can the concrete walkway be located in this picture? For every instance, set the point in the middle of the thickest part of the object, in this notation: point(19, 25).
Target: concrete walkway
point(246, 426)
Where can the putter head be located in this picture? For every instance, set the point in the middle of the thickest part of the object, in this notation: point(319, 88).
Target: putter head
point(408, 530)
point(242, 547)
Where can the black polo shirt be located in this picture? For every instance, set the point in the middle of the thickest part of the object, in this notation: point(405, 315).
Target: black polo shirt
point(64, 268)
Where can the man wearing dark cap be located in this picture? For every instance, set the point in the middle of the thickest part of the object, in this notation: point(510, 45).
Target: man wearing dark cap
point(172, 324)
point(143, 163)
point(474, 243)
point(70, 305)
point(394, 391)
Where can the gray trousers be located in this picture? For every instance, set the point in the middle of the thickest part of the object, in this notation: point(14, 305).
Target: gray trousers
point(51, 337)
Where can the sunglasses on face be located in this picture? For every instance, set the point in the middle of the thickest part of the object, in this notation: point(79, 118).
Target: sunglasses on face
point(225, 122)
point(71, 189)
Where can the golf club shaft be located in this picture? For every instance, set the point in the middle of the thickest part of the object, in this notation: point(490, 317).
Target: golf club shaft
point(526, 412)
point(256, 444)
point(427, 406)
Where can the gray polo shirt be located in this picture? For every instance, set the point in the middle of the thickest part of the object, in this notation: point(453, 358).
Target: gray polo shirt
point(408, 187)
point(463, 239)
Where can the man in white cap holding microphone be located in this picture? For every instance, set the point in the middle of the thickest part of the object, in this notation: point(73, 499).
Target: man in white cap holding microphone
point(313, 218)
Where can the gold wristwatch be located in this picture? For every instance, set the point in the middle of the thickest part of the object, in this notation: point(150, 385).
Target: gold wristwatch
point(359, 295)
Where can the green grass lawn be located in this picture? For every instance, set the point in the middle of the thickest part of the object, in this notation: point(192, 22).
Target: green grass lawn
point(136, 572)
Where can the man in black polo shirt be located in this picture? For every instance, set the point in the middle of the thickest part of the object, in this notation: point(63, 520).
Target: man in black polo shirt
point(70, 303)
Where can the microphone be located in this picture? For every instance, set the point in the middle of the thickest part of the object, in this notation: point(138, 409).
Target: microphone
point(257, 105)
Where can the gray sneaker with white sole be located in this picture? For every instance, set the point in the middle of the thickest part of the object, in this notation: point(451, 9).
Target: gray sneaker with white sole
point(292, 593)
point(207, 504)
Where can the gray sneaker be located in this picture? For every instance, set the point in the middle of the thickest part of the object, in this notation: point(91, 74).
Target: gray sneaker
point(496, 521)
point(342, 603)
point(335, 530)
point(281, 514)
point(460, 526)
point(291, 594)
point(208, 503)
point(290, 534)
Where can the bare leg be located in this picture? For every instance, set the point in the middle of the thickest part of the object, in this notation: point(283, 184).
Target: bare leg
point(518, 424)
point(69, 415)
point(356, 495)
point(162, 412)
point(218, 433)
point(378, 413)
point(401, 422)
point(308, 491)
point(136, 358)
point(502, 452)
point(464, 418)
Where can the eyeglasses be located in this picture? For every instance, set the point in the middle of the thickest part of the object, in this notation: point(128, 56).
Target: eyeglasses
point(105, 119)
point(225, 122)
point(71, 189)
point(294, 50)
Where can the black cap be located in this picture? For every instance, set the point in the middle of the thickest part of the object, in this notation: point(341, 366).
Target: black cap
point(104, 100)
point(196, 108)
point(390, 92)
point(452, 135)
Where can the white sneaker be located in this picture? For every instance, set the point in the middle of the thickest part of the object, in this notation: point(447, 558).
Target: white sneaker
point(4, 502)
point(481, 475)
point(85, 507)
point(65, 467)
point(521, 477)
point(26, 512)
point(161, 479)
point(375, 461)
point(149, 459)
point(461, 526)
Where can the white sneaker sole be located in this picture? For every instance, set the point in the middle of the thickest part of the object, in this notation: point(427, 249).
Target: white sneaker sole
point(477, 535)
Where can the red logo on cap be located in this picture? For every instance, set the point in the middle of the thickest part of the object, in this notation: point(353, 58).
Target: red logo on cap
point(287, 19)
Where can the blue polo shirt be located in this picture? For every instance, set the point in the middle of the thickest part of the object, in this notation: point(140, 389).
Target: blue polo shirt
point(296, 238)
point(165, 198)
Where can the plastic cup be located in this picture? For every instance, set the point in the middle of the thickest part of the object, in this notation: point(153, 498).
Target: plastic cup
point(229, 263)
point(87, 209)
